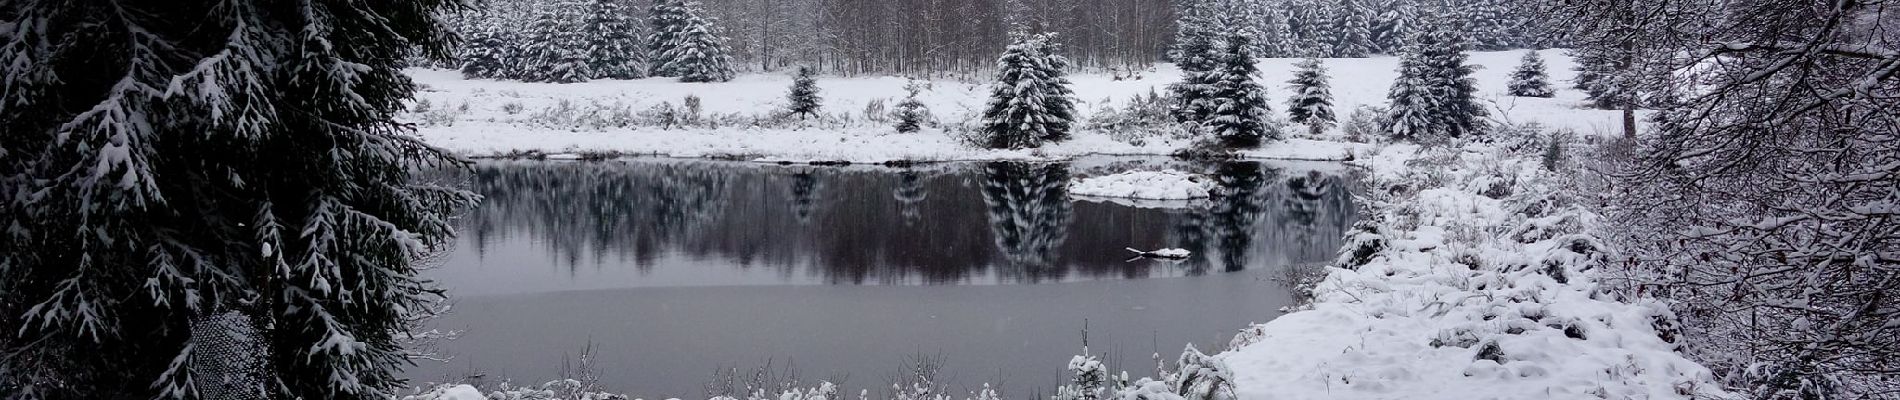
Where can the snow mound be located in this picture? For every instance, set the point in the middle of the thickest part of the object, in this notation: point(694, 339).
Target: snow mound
point(1151, 185)
point(1455, 291)
point(450, 392)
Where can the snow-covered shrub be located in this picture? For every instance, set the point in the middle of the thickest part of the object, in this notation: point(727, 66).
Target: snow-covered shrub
point(911, 114)
point(1363, 124)
point(1203, 378)
point(1142, 117)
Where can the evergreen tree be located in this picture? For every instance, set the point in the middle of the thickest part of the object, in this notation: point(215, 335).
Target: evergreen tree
point(1197, 54)
point(1485, 24)
point(1240, 118)
point(1312, 101)
point(1434, 96)
point(1194, 27)
point(1031, 102)
point(1529, 79)
point(487, 54)
point(614, 49)
point(1394, 27)
point(1355, 31)
point(1277, 38)
point(1313, 23)
point(696, 54)
point(668, 20)
point(910, 113)
point(556, 49)
point(211, 198)
point(804, 95)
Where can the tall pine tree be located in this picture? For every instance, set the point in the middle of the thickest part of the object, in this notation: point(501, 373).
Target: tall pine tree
point(1434, 97)
point(556, 49)
point(803, 98)
point(1241, 116)
point(1312, 101)
point(667, 19)
point(1197, 54)
point(214, 197)
point(695, 53)
point(1031, 102)
point(1355, 31)
point(1529, 79)
point(487, 53)
point(614, 48)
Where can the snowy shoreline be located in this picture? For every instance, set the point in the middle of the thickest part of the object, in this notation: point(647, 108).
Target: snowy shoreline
point(609, 118)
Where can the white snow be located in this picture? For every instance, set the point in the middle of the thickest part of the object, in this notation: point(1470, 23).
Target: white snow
point(450, 392)
point(1152, 185)
point(1467, 300)
point(1165, 253)
point(488, 118)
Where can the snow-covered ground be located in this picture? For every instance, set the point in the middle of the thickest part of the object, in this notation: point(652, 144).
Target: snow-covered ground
point(1151, 185)
point(488, 118)
point(1478, 280)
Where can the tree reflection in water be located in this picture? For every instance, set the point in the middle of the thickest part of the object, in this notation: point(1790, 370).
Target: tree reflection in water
point(1002, 222)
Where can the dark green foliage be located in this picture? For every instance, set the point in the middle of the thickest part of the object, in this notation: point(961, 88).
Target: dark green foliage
point(613, 42)
point(1030, 103)
point(1312, 101)
point(1240, 118)
point(184, 165)
point(804, 94)
point(1529, 79)
point(1434, 97)
point(689, 48)
point(910, 113)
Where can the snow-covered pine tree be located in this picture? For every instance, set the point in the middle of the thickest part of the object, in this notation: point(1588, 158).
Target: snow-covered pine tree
point(1276, 39)
point(614, 48)
point(213, 167)
point(910, 113)
point(1529, 80)
point(1434, 97)
point(1354, 30)
point(697, 54)
point(1193, 30)
point(1410, 102)
point(1030, 102)
point(1312, 101)
point(1241, 117)
point(1313, 23)
point(1393, 27)
point(667, 19)
point(556, 48)
point(486, 54)
point(1463, 114)
point(1197, 54)
point(803, 98)
point(1484, 23)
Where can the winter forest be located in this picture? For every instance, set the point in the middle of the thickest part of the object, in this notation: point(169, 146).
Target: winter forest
point(944, 199)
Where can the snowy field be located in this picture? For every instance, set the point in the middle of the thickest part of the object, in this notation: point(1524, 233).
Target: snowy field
point(492, 118)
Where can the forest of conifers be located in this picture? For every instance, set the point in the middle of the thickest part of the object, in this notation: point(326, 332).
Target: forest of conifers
point(958, 37)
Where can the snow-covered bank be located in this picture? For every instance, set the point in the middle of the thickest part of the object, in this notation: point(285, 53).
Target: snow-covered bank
point(492, 118)
point(1474, 276)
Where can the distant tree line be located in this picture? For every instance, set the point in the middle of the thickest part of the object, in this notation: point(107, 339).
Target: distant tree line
point(929, 38)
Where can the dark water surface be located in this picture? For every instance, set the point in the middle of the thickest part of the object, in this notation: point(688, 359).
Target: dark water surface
point(675, 269)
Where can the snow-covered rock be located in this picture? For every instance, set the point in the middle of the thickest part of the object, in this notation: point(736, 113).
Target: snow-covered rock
point(1152, 185)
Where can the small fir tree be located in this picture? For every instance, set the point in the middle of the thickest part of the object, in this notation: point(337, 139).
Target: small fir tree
point(697, 54)
point(1529, 80)
point(910, 113)
point(1240, 118)
point(614, 48)
point(804, 94)
point(1030, 102)
point(1312, 101)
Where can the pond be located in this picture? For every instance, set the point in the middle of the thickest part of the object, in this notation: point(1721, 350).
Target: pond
point(672, 270)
